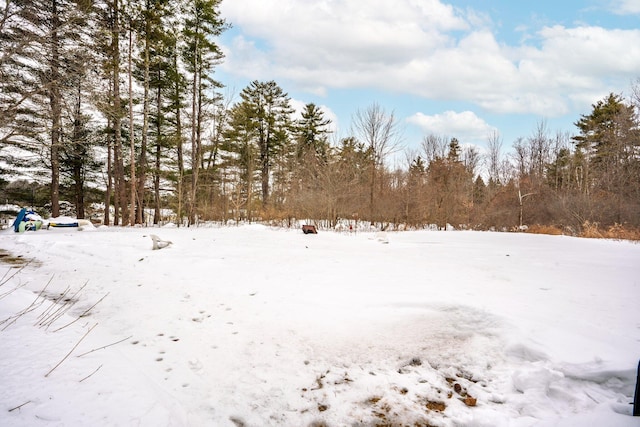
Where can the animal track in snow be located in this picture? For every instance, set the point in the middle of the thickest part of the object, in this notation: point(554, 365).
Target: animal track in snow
point(195, 365)
point(201, 316)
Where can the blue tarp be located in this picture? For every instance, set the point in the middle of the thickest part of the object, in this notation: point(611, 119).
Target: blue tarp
point(27, 220)
point(21, 217)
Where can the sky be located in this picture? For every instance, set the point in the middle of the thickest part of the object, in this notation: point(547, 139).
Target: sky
point(462, 68)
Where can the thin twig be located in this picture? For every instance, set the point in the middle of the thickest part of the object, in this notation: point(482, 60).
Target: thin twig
point(84, 313)
point(91, 308)
point(13, 290)
point(2, 281)
point(13, 319)
point(64, 308)
point(19, 406)
point(68, 354)
point(103, 347)
point(31, 307)
point(54, 303)
point(5, 279)
point(97, 369)
point(69, 303)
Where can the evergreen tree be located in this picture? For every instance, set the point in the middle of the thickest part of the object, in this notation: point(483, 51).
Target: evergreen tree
point(202, 23)
point(415, 189)
point(311, 132)
point(610, 139)
point(20, 59)
point(155, 70)
point(176, 101)
point(267, 110)
point(450, 185)
point(239, 142)
point(41, 37)
point(78, 161)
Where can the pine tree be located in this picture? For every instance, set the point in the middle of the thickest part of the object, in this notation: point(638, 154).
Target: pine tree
point(176, 101)
point(201, 54)
point(239, 143)
point(157, 45)
point(311, 132)
point(40, 68)
point(610, 139)
point(20, 84)
point(267, 108)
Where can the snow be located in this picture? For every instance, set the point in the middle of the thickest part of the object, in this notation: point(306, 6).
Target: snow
point(9, 208)
point(254, 326)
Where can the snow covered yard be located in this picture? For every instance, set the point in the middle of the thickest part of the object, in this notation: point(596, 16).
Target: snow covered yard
point(252, 326)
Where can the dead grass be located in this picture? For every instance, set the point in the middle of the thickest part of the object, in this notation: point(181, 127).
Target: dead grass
point(545, 229)
point(591, 230)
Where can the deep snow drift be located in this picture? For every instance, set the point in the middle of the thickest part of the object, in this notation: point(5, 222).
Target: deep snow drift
point(251, 326)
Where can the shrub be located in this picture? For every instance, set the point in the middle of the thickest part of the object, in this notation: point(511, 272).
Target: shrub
point(616, 231)
point(545, 229)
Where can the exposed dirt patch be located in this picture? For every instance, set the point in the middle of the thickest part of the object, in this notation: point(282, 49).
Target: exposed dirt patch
point(13, 260)
point(436, 406)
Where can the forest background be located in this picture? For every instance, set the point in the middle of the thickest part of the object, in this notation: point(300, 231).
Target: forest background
point(114, 103)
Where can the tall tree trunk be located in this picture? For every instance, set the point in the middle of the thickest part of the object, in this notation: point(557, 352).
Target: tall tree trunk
point(132, 147)
point(372, 186)
point(78, 154)
point(156, 185)
point(264, 166)
point(250, 192)
point(117, 119)
point(56, 110)
point(195, 161)
point(179, 140)
point(107, 196)
point(264, 174)
point(156, 181)
point(145, 122)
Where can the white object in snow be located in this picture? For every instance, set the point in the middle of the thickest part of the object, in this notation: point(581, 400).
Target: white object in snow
point(158, 243)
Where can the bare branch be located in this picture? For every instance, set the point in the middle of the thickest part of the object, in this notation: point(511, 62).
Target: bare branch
point(19, 406)
point(71, 351)
point(105, 346)
point(83, 313)
point(91, 374)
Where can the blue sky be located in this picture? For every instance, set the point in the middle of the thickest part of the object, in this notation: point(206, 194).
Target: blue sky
point(462, 68)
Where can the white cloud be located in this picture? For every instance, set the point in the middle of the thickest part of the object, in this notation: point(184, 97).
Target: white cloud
point(626, 7)
point(466, 126)
point(338, 42)
point(429, 49)
point(591, 51)
point(243, 58)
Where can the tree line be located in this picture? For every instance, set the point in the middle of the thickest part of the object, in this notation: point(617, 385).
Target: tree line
point(116, 101)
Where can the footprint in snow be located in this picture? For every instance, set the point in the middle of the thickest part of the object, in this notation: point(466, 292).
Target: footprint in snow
point(195, 365)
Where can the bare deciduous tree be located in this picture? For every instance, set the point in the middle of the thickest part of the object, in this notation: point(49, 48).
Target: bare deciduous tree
point(494, 147)
point(434, 147)
point(381, 134)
